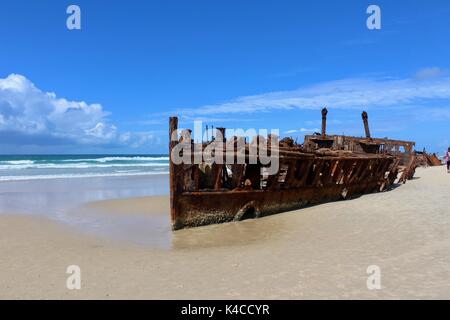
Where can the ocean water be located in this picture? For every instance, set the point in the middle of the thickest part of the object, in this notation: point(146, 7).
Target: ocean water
point(33, 167)
point(61, 188)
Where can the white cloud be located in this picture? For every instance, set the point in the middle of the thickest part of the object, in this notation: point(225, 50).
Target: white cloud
point(27, 111)
point(431, 72)
point(434, 113)
point(302, 130)
point(343, 94)
point(102, 131)
point(309, 130)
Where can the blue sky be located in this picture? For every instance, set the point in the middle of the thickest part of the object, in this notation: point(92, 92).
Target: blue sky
point(110, 87)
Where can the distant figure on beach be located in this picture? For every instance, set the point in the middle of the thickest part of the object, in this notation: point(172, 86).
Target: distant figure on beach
point(447, 159)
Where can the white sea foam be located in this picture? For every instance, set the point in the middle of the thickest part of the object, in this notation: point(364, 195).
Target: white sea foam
point(18, 162)
point(87, 175)
point(109, 159)
point(82, 165)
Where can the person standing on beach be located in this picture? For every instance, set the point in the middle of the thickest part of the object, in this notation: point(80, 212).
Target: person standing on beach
point(447, 159)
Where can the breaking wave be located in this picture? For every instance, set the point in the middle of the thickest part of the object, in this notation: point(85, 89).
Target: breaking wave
point(75, 166)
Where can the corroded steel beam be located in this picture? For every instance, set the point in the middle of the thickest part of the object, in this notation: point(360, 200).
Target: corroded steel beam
point(173, 126)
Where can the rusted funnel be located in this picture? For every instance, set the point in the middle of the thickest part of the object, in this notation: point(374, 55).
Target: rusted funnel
point(366, 123)
point(324, 121)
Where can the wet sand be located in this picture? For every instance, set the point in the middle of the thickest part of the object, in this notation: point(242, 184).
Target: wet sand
point(317, 252)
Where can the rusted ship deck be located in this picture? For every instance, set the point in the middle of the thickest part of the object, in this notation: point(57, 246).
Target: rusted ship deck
point(206, 192)
point(404, 152)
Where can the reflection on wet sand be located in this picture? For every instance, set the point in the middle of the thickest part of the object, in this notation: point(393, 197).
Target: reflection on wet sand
point(228, 234)
point(153, 212)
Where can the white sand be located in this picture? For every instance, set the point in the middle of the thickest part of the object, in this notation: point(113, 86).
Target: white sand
point(317, 252)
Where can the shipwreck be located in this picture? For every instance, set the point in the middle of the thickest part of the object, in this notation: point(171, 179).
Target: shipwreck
point(324, 168)
point(406, 157)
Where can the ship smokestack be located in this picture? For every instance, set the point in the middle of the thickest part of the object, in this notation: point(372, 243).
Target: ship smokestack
point(366, 123)
point(324, 121)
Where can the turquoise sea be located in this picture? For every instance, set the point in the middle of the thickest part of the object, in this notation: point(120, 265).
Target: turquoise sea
point(32, 167)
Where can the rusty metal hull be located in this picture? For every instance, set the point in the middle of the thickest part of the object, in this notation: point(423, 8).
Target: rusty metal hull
point(202, 208)
point(427, 160)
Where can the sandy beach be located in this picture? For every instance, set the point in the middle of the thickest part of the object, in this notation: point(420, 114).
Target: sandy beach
point(318, 252)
